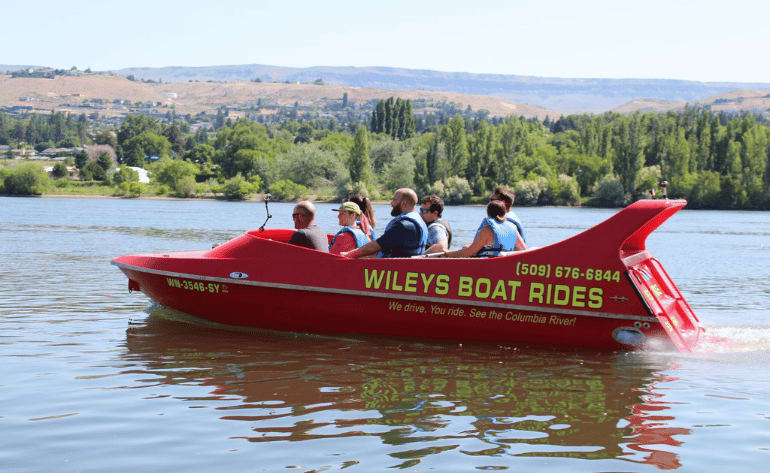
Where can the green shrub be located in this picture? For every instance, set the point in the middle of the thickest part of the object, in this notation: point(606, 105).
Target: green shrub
point(27, 179)
point(286, 189)
point(237, 188)
point(453, 189)
point(124, 174)
point(568, 192)
point(609, 191)
point(527, 193)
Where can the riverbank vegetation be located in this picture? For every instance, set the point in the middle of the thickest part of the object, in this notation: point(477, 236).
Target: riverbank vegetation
point(713, 160)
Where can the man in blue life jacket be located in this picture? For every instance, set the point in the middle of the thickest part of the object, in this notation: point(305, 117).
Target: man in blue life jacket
point(507, 196)
point(406, 235)
point(439, 231)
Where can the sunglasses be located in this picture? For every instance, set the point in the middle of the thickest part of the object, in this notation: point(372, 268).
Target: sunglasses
point(295, 215)
point(424, 211)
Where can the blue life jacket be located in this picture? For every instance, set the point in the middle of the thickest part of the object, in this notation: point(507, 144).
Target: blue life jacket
point(358, 234)
point(513, 218)
point(419, 223)
point(505, 237)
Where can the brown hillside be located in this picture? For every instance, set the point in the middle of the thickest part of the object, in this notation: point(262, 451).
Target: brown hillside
point(65, 93)
point(755, 101)
point(650, 105)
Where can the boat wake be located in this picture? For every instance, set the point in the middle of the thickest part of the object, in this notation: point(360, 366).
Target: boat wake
point(725, 339)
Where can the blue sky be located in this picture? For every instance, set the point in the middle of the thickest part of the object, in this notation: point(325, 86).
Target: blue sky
point(703, 40)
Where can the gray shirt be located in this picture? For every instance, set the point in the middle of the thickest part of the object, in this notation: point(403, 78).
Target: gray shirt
point(436, 233)
point(311, 237)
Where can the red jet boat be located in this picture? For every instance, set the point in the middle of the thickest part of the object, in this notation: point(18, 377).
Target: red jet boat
point(599, 289)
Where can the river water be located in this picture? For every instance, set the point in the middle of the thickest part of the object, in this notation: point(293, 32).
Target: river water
point(96, 379)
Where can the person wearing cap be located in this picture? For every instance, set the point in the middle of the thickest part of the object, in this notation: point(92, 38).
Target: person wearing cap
point(350, 235)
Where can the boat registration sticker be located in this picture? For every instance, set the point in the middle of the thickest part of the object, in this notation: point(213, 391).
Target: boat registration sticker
point(238, 275)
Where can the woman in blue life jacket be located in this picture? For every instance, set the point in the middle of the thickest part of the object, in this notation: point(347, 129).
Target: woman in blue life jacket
point(495, 235)
point(350, 235)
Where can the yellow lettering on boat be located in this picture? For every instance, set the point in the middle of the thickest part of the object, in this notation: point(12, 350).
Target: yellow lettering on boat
point(464, 289)
point(373, 279)
point(426, 280)
point(410, 283)
point(442, 284)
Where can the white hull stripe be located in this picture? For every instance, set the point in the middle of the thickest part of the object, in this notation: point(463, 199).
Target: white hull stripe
point(387, 295)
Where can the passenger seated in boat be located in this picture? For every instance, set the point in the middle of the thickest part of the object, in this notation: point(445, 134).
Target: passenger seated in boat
point(308, 234)
point(405, 235)
point(495, 235)
point(508, 197)
point(350, 236)
point(439, 231)
point(366, 221)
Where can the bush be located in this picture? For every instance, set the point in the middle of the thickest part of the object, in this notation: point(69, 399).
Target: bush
point(185, 187)
point(286, 189)
point(130, 189)
point(527, 193)
point(609, 191)
point(61, 183)
point(237, 188)
point(176, 174)
point(568, 192)
point(27, 179)
point(124, 174)
point(345, 188)
point(649, 177)
point(454, 190)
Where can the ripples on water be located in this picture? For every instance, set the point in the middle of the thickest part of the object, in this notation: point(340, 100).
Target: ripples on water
point(95, 380)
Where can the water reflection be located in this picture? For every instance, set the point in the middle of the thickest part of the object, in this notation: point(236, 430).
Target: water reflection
point(421, 400)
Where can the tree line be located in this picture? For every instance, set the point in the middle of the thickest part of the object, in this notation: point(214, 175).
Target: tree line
point(713, 160)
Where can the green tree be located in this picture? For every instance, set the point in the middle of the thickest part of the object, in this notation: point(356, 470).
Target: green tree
point(105, 161)
point(59, 170)
point(456, 146)
point(202, 154)
point(173, 173)
point(358, 163)
point(92, 172)
point(81, 158)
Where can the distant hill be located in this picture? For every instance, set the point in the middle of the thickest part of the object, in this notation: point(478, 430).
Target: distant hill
point(567, 95)
point(10, 68)
point(754, 101)
point(110, 94)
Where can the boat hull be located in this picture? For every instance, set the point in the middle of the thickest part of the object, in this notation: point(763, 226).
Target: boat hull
point(609, 294)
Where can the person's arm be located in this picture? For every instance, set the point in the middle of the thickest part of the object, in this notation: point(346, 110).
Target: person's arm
point(520, 245)
point(437, 247)
point(440, 236)
point(484, 238)
point(370, 248)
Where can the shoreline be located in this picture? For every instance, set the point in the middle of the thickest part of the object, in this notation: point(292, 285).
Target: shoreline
point(258, 198)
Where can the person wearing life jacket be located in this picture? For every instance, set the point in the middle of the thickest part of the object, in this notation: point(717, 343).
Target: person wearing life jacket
point(495, 235)
point(366, 220)
point(350, 236)
point(508, 197)
point(439, 231)
point(406, 234)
